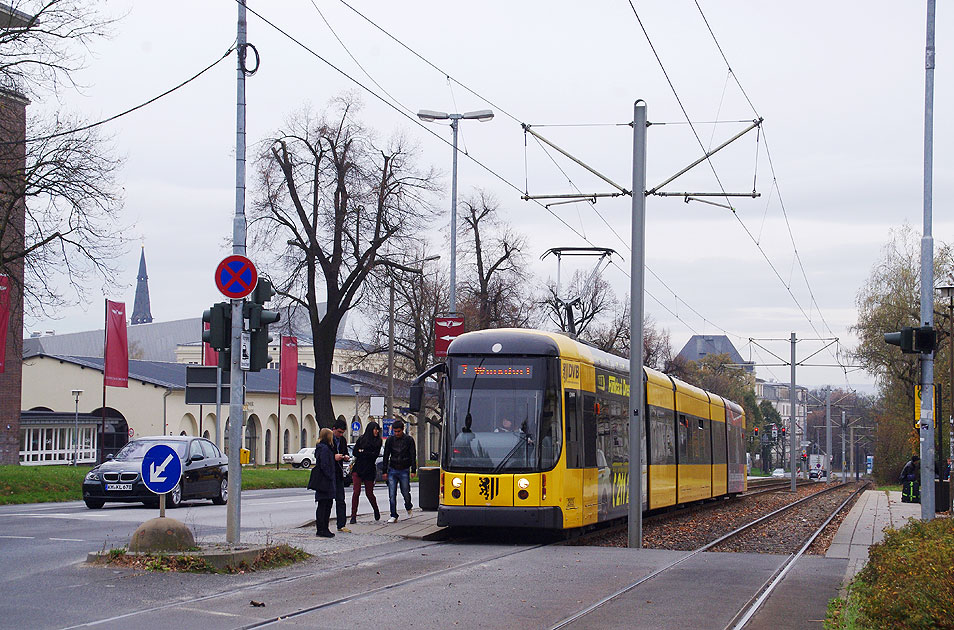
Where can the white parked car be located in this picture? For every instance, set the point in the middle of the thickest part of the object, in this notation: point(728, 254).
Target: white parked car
point(778, 473)
point(304, 458)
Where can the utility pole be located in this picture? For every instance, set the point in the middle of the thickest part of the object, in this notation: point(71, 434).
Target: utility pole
point(237, 382)
point(637, 278)
point(828, 437)
point(791, 428)
point(843, 478)
point(927, 280)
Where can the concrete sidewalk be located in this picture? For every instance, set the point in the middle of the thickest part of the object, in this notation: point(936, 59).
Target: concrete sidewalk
point(864, 526)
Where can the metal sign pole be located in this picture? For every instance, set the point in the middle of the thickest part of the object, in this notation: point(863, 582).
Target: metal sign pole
point(162, 506)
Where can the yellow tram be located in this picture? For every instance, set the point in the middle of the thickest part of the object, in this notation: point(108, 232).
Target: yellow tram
point(536, 434)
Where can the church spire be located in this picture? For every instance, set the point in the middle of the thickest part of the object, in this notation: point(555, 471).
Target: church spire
point(141, 313)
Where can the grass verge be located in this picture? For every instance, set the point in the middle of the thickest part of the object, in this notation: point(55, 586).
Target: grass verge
point(42, 484)
point(271, 558)
point(906, 583)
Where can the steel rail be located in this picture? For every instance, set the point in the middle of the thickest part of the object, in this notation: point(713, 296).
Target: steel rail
point(585, 611)
point(746, 614)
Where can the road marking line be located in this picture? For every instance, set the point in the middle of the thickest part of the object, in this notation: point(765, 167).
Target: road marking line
point(22, 537)
point(68, 539)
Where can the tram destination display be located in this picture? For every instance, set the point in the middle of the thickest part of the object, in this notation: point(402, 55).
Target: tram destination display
point(478, 371)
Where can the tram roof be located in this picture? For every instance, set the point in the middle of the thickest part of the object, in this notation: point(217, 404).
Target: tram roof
point(530, 342)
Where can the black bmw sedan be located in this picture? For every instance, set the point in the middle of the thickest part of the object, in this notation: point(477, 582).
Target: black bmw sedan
point(204, 474)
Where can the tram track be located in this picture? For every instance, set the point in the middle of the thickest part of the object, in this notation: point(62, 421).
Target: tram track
point(761, 595)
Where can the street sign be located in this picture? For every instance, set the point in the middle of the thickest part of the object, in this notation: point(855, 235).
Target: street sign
point(161, 469)
point(447, 329)
point(200, 385)
point(235, 277)
point(355, 426)
point(386, 427)
point(131, 432)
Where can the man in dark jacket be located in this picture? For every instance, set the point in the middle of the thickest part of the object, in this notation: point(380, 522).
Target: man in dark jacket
point(911, 470)
point(340, 449)
point(400, 460)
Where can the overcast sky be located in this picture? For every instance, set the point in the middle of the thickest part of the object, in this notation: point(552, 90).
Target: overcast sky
point(840, 86)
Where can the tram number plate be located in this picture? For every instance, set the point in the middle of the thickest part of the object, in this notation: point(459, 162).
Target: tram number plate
point(119, 486)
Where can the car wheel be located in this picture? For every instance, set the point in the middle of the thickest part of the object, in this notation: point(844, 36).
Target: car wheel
point(294, 465)
point(306, 463)
point(223, 497)
point(174, 497)
point(94, 504)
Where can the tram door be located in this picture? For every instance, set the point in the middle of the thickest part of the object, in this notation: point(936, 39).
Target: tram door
point(573, 478)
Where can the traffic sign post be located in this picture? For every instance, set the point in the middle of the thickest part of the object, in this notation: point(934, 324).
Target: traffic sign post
point(236, 277)
point(447, 329)
point(160, 471)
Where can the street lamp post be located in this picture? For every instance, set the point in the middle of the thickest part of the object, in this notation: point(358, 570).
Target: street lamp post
point(482, 115)
point(357, 390)
point(76, 394)
point(389, 409)
point(948, 292)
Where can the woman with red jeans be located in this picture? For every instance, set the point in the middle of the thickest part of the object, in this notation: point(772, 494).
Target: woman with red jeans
point(364, 469)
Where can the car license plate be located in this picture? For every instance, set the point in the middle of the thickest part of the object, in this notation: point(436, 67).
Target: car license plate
point(118, 486)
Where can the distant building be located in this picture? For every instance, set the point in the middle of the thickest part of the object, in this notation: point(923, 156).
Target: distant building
point(700, 346)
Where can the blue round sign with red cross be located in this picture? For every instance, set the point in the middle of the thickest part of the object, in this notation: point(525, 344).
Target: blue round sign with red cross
point(235, 277)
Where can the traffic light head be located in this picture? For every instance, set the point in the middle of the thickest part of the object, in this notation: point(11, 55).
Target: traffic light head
point(921, 340)
point(258, 350)
point(263, 292)
point(219, 334)
point(756, 431)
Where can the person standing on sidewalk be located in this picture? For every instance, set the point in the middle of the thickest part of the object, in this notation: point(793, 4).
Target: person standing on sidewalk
point(322, 481)
point(364, 470)
point(340, 449)
point(400, 460)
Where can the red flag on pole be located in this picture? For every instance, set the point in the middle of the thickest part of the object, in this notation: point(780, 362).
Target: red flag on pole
point(4, 317)
point(288, 371)
point(209, 355)
point(116, 370)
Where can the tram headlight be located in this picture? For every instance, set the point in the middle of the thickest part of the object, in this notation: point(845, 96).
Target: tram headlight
point(523, 483)
point(457, 482)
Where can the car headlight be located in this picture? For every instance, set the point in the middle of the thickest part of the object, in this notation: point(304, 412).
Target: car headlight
point(92, 475)
point(457, 482)
point(523, 483)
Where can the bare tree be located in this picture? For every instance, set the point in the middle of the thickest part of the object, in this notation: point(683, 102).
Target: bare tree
point(589, 295)
point(59, 199)
point(330, 201)
point(494, 290)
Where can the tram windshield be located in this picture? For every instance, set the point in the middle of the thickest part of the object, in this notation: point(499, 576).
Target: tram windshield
point(502, 415)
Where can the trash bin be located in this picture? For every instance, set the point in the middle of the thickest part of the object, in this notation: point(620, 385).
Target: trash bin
point(244, 455)
point(429, 487)
point(942, 496)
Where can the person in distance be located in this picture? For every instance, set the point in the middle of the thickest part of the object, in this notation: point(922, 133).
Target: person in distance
point(363, 470)
point(911, 470)
point(322, 481)
point(400, 460)
point(340, 449)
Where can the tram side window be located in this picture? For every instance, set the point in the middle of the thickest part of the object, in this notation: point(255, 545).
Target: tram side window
point(661, 434)
point(683, 439)
point(574, 433)
point(589, 431)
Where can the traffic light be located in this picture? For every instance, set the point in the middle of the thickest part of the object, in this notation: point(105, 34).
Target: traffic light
point(921, 340)
point(258, 320)
point(756, 431)
point(219, 334)
point(219, 319)
point(783, 431)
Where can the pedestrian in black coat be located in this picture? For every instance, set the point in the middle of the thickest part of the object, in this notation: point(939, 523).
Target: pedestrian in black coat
point(322, 481)
point(340, 449)
point(364, 469)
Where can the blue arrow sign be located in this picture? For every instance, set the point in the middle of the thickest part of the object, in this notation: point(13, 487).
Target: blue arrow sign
point(355, 426)
point(161, 469)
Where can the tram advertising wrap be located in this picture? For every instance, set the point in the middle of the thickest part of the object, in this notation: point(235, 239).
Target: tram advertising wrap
point(537, 435)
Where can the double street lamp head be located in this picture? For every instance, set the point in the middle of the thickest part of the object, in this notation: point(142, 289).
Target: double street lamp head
point(482, 115)
point(946, 291)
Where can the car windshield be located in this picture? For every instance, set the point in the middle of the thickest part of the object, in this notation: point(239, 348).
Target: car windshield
point(137, 449)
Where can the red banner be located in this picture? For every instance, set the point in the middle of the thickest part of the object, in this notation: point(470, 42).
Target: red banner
point(209, 355)
point(288, 371)
point(4, 318)
point(116, 354)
